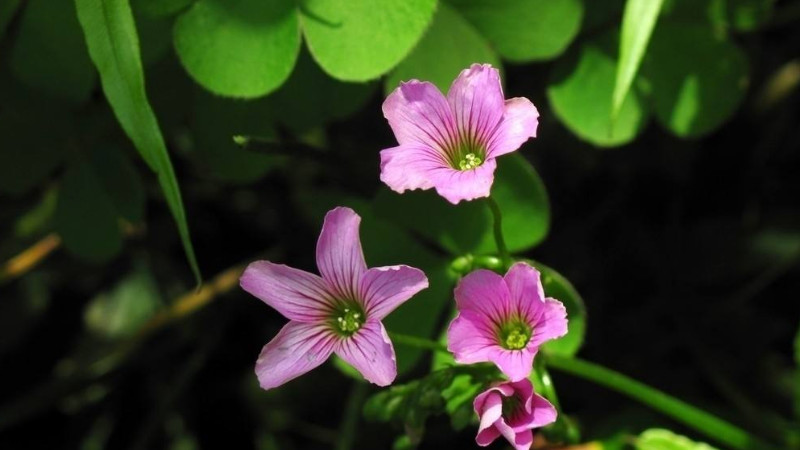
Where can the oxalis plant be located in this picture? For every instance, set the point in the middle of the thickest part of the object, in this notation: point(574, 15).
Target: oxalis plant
point(492, 364)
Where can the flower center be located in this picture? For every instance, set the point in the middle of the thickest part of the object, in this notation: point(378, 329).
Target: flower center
point(511, 405)
point(348, 320)
point(470, 161)
point(515, 335)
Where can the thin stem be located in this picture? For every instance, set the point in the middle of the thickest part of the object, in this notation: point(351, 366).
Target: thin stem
point(418, 342)
point(498, 232)
point(693, 417)
point(349, 426)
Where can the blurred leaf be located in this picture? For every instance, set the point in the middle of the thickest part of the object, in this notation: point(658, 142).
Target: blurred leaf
point(156, 37)
point(85, 217)
point(38, 219)
point(659, 439)
point(121, 311)
point(748, 15)
point(311, 98)
point(121, 182)
point(50, 54)
point(467, 227)
point(216, 120)
point(598, 15)
point(449, 46)
point(637, 26)
point(241, 48)
point(160, 8)
point(8, 9)
point(697, 79)
point(525, 30)
point(740, 15)
point(559, 288)
point(20, 313)
point(359, 40)
point(111, 37)
point(580, 93)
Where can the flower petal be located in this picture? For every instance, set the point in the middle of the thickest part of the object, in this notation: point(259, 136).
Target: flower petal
point(471, 338)
point(485, 293)
point(519, 123)
point(456, 185)
point(487, 436)
point(523, 440)
point(544, 413)
point(339, 256)
point(370, 352)
point(410, 166)
point(527, 294)
point(476, 98)
point(515, 364)
point(298, 348)
point(419, 114)
point(489, 406)
point(296, 294)
point(551, 323)
point(385, 288)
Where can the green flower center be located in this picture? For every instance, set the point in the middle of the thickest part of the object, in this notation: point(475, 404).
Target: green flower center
point(470, 161)
point(515, 335)
point(348, 319)
point(511, 405)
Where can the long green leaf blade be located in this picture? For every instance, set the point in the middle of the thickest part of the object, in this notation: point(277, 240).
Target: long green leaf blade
point(110, 32)
point(638, 22)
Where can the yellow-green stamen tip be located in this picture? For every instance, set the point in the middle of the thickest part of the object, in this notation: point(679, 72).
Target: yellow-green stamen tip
point(515, 336)
point(469, 162)
point(350, 321)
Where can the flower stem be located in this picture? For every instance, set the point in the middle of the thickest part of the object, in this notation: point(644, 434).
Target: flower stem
point(498, 233)
point(693, 417)
point(418, 342)
point(352, 411)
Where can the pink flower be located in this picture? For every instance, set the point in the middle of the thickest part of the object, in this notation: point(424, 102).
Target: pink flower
point(504, 319)
point(511, 409)
point(450, 144)
point(339, 312)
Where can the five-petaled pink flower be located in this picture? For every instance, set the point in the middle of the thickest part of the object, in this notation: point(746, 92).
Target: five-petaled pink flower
point(339, 312)
point(504, 319)
point(450, 144)
point(513, 410)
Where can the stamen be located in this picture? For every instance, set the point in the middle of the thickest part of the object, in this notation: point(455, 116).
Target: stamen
point(469, 162)
point(514, 335)
point(349, 321)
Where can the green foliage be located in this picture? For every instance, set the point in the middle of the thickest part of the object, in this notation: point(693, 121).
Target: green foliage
point(121, 182)
point(7, 11)
point(467, 227)
point(359, 40)
point(525, 30)
point(696, 79)
point(449, 46)
point(85, 216)
point(558, 287)
point(160, 8)
point(659, 439)
point(637, 26)
point(22, 310)
point(49, 53)
point(581, 89)
point(113, 45)
point(738, 15)
point(242, 48)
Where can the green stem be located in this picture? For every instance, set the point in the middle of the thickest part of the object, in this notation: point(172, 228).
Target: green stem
point(498, 233)
point(680, 411)
point(349, 426)
point(418, 342)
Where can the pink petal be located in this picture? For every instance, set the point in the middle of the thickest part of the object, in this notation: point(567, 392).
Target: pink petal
point(296, 294)
point(515, 364)
point(410, 166)
point(476, 98)
point(456, 185)
point(489, 406)
point(385, 288)
point(551, 323)
point(339, 256)
point(487, 436)
point(519, 123)
point(485, 293)
point(419, 114)
point(370, 352)
point(544, 413)
point(523, 440)
point(527, 294)
point(298, 348)
point(471, 338)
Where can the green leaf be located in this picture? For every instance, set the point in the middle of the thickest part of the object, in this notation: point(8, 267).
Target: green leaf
point(559, 288)
point(449, 46)
point(20, 313)
point(214, 123)
point(525, 30)
point(739, 15)
point(747, 15)
point(637, 26)
point(113, 45)
point(239, 48)
point(120, 182)
point(7, 11)
point(160, 8)
point(49, 54)
point(121, 311)
point(659, 439)
point(467, 227)
point(359, 40)
point(580, 92)
point(697, 79)
point(38, 220)
point(311, 98)
point(85, 216)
